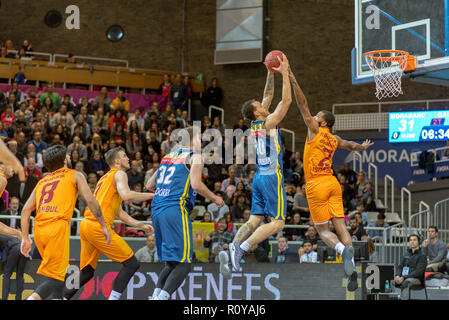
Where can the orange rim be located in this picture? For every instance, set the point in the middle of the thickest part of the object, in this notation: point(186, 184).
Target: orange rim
point(370, 55)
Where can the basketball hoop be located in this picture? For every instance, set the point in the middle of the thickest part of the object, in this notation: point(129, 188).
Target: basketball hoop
point(388, 67)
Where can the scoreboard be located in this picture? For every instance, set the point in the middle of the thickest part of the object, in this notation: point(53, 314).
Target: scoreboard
point(418, 126)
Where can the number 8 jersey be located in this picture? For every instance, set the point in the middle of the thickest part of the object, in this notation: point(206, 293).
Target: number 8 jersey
point(173, 186)
point(56, 195)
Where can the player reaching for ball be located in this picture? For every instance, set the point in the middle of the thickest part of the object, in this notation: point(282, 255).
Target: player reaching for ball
point(323, 191)
point(268, 193)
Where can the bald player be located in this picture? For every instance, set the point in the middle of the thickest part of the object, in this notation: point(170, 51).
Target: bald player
point(323, 190)
point(54, 199)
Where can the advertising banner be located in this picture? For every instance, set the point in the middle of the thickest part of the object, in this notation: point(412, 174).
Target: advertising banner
point(258, 281)
point(390, 158)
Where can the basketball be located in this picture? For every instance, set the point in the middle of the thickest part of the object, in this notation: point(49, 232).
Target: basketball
point(271, 60)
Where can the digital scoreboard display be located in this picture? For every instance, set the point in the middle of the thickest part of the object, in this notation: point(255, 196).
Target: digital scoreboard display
point(418, 126)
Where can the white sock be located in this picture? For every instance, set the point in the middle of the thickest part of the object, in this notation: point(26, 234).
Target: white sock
point(65, 298)
point(115, 295)
point(339, 247)
point(245, 246)
point(30, 298)
point(164, 295)
point(156, 292)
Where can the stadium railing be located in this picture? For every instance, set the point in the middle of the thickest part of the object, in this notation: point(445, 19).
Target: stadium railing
point(420, 222)
point(393, 244)
point(84, 74)
point(357, 158)
point(33, 53)
point(405, 191)
point(84, 58)
point(441, 219)
point(376, 188)
point(9, 217)
point(390, 179)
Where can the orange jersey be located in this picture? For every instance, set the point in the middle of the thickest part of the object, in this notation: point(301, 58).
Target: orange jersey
point(3, 190)
point(318, 154)
point(108, 197)
point(56, 195)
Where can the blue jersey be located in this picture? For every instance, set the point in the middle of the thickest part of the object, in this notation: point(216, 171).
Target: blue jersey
point(269, 152)
point(173, 186)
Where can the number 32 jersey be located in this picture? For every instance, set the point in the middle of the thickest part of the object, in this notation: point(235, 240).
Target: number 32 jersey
point(56, 195)
point(173, 185)
point(318, 154)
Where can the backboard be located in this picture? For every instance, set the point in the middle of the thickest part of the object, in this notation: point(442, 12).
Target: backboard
point(420, 27)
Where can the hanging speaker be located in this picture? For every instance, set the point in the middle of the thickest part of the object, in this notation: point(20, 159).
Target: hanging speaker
point(115, 33)
point(53, 19)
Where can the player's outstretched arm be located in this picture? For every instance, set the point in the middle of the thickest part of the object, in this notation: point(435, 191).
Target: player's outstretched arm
point(121, 182)
point(10, 160)
point(268, 92)
point(92, 203)
point(353, 146)
point(29, 207)
point(197, 184)
point(282, 108)
point(303, 106)
point(130, 221)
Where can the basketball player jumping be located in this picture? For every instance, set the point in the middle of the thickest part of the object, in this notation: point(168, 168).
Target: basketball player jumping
point(323, 191)
point(177, 181)
point(268, 193)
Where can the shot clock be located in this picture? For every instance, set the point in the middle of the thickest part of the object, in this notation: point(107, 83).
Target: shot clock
point(418, 126)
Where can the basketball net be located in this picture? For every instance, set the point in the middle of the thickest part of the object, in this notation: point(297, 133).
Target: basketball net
point(387, 67)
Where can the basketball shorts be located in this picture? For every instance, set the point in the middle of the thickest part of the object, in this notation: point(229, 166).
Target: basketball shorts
point(268, 196)
point(53, 243)
point(173, 233)
point(93, 244)
point(325, 200)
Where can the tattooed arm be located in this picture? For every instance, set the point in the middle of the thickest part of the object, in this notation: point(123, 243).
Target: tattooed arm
point(268, 92)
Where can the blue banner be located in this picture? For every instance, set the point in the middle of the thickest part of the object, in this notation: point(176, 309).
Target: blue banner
point(394, 159)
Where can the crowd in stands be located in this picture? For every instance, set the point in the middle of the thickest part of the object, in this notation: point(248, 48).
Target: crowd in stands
point(32, 122)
